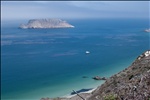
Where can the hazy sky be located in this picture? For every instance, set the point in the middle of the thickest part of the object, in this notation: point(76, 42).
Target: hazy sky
point(74, 9)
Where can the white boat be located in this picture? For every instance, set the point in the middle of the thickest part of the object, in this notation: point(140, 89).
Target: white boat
point(147, 30)
point(87, 52)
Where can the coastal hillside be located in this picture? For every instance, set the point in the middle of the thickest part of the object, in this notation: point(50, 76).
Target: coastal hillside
point(46, 23)
point(133, 83)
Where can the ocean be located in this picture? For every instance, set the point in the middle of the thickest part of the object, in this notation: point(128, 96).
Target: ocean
point(37, 63)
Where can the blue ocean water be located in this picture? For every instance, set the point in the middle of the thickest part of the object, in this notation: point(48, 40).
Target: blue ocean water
point(40, 63)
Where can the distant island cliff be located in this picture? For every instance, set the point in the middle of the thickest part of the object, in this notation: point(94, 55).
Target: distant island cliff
point(147, 30)
point(46, 23)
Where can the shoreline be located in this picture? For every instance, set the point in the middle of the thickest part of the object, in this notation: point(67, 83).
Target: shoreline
point(70, 96)
point(91, 83)
point(97, 83)
point(121, 78)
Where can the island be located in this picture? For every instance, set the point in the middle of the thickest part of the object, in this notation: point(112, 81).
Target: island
point(147, 30)
point(45, 23)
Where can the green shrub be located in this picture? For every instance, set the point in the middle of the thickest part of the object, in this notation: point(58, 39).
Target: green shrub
point(110, 97)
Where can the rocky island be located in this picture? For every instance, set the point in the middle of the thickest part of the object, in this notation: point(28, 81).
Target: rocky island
point(147, 30)
point(133, 83)
point(46, 23)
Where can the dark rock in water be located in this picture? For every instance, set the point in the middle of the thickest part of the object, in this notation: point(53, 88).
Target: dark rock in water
point(84, 77)
point(103, 78)
point(82, 90)
point(99, 78)
point(46, 23)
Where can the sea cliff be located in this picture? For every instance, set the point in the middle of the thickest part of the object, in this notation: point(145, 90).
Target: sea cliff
point(133, 83)
point(46, 23)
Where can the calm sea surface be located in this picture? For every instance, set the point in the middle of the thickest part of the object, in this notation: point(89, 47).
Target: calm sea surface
point(38, 63)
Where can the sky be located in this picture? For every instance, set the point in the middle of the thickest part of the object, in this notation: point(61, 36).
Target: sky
point(74, 9)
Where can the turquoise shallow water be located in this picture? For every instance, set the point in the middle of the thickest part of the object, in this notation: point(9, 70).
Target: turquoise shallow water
point(40, 63)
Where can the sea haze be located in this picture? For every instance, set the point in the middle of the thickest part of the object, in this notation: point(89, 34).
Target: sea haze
point(40, 63)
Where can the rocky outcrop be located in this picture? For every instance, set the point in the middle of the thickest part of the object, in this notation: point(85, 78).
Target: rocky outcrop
point(46, 23)
point(99, 78)
point(147, 30)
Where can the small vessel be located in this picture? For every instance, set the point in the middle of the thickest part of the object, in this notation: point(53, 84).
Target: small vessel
point(87, 52)
point(147, 30)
